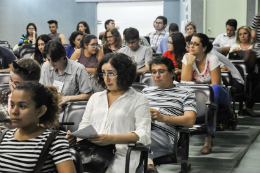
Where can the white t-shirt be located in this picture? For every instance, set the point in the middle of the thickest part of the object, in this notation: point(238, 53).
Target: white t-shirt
point(212, 62)
point(224, 41)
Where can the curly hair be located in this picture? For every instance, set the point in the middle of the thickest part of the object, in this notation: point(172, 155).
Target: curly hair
point(87, 31)
point(73, 36)
point(32, 66)
point(125, 67)
point(47, 96)
point(117, 36)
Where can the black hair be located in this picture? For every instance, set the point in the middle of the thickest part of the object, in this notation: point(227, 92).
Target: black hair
point(179, 45)
point(163, 18)
point(86, 40)
point(55, 50)
point(131, 34)
point(189, 37)
point(204, 41)
point(173, 27)
point(35, 28)
point(53, 21)
point(107, 22)
point(37, 54)
point(162, 60)
point(73, 37)
point(125, 67)
point(47, 96)
point(232, 22)
point(32, 66)
point(87, 30)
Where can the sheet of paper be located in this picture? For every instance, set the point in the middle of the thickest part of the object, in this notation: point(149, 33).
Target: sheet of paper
point(85, 132)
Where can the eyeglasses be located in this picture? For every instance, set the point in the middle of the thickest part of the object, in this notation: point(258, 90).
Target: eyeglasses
point(160, 71)
point(132, 42)
point(109, 75)
point(21, 69)
point(110, 36)
point(94, 45)
point(170, 42)
point(194, 44)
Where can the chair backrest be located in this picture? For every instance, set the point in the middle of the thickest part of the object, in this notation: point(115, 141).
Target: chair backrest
point(74, 113)
point(139, 86)
point(226, 78)
point(4, 78)
point(96, 88)
point(147, 79)
point(241, 67)
point(204, 93)
point(211, 40)
point(65, 45)
point(5, 44)
point(76, 160)
point(26, 51)
point(148, 39)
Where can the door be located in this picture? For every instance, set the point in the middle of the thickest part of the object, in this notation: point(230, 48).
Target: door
point(139, 15)
point(217, 12)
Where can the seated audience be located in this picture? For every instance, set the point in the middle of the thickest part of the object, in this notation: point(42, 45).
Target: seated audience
point(89, 54)
point(226, 40)
point(108, 24)
point(112, 41)
point(53, 26)
point(190, 28)
point(25, 69)
point(120, 115)
point(176, 51)
point(157, 35)
point(75, 40)
point(70, 77)
point(6, 59)
point(141, 54)
point(143, 40)
point(187, 40)
point(180, 110)
point(163, 46)
point(203, 67)
point(83, 27)
point(33, 104)
point(40, 43)
point(30, 36)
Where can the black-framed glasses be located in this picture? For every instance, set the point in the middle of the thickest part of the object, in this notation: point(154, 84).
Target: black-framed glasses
point(160, 71)
point(21, 69)
point(170, 42)
point(94, 45)
point(109, 75)
point(194, 44)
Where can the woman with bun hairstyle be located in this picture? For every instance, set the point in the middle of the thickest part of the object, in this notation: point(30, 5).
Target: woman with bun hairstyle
point(203, 67)
point(33, 104)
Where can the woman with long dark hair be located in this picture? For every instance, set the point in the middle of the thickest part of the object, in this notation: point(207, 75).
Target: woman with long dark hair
point(40, 43)
point(83, 27)
point(30, 36)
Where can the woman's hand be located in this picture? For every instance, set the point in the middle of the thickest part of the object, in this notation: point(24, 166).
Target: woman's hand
point(34, 33)
point(156, 115)
point(177, 71)
point(72, 139)
point(101, 139)
point(236, 49)
point(65, 99)
point(190, 58)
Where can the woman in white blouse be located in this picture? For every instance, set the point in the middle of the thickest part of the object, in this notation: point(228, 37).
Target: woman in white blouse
point(119, 114)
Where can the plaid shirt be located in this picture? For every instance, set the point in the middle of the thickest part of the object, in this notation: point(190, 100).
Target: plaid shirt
point(155, 38)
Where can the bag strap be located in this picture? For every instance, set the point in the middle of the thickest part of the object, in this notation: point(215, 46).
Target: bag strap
point(2, 134)
point(45, 151)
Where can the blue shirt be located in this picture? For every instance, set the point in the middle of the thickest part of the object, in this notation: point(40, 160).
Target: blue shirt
point(70, 50)
point(163, 46)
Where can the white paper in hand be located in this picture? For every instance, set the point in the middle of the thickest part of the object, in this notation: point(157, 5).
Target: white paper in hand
point(85, 132)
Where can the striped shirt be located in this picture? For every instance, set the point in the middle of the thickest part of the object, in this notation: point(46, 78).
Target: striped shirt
point(155, 38)
point(21, 156)
point(256, 26)
point(172, 102)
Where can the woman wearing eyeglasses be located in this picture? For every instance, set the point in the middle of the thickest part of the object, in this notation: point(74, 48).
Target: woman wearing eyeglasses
point(69, 77)
point(119, 114)
point(89, 54)
point(26, 69)
point(203, 67)
point(112, 41)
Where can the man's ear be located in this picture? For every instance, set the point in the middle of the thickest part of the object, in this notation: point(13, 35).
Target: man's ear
point(42, 110)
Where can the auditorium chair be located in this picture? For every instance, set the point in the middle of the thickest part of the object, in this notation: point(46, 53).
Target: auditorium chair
point(65, 45)
point(147, 79)
point(4, 77)
point(206, 109)
point(211, 40)
point(5, 44)
point(95, 88)
point(157, 54)
point(148, 39)
point(139, 86)
point(76, 160)
point(26, 51)
point(4, 119)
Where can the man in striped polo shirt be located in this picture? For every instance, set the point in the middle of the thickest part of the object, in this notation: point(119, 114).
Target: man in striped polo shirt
point(170, 105)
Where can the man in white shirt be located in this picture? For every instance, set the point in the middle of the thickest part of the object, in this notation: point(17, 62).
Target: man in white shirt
point(226, 40)
point(157, 35)
point(141, 54)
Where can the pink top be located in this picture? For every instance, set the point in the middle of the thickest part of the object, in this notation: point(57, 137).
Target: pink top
point(9, 103)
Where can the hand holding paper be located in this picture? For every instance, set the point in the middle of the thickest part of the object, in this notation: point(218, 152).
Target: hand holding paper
point(85, 132)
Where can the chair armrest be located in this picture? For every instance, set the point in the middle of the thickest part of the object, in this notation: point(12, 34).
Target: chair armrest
point(211, 104)
point(137, 147)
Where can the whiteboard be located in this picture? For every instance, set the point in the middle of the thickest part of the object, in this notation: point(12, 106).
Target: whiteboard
point(139, 15)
